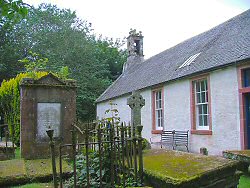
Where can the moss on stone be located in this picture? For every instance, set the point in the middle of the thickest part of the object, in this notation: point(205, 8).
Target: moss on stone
point(43, 167)
point(12, 171)
point(175, 167)
point(245, 153)
point(20, 171)
point(12, 168)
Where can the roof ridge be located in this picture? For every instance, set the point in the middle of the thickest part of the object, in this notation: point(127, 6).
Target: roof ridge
point(97, 100)
point(202, 33)
point(221, 46)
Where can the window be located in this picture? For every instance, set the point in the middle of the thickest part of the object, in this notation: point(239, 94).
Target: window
point(190, 60)
point(157, 109)
point(201, 104)
point(201, 107)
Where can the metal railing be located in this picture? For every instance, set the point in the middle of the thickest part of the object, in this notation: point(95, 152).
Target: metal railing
point(114, 150)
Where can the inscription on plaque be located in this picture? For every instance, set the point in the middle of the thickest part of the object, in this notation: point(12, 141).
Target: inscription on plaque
point(48, 116)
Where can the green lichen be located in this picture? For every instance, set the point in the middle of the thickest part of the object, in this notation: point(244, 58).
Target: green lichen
point(34, 167)
point(20, 171)
point(245, 153)
point(177, 167)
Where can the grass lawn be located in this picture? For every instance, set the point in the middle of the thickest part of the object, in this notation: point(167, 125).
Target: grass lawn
point(17, 153)
point(244, 182)
point(36, 185)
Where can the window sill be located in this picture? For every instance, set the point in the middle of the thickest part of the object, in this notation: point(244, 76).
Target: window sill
point(201, 132)
point(156, 131)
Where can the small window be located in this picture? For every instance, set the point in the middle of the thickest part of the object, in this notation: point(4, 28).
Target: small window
point(189, 60)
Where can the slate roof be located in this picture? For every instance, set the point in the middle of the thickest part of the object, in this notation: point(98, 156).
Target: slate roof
point(223, 45)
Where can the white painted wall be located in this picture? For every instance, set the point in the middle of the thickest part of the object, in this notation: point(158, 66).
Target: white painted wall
point(225, 114)
point(224, 107)
point(125, 111)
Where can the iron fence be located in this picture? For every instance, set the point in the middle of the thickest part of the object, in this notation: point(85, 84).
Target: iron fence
point(105, 154)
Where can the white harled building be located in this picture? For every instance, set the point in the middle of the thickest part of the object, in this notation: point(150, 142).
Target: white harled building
point(201, 85)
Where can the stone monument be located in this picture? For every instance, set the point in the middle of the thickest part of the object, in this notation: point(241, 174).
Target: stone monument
point(48, 102)
point(135, 102)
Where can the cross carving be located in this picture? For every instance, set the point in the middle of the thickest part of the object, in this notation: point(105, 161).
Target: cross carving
point(135, 102)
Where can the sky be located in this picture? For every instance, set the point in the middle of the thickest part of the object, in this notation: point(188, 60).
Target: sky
point(164, 23)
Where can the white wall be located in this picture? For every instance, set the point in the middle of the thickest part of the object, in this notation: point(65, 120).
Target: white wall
point(125, 111)
point(224, 107)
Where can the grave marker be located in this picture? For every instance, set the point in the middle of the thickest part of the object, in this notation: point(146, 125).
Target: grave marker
point(46, 103)
point(135, 102)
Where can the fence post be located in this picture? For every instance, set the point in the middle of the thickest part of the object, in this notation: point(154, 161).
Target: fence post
point(134, 139)
point(87, 152)
point(99, 136)
point(123, 154)
point(139, 130)
point(50, 133)
point(73, 133)
point(112, 170)
point(60, 163)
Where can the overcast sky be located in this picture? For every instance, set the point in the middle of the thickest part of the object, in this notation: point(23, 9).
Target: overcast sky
point(164, 23)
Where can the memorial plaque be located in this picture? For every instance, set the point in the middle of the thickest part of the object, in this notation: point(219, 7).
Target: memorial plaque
point(48, 116)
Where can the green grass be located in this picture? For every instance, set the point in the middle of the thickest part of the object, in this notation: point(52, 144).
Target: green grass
point(244, 181)
point(17, 153)
point(35, 185)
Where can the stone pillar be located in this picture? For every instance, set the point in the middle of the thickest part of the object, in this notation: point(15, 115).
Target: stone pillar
point(45, 103)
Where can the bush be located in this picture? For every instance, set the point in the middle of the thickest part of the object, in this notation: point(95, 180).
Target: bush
point(10, 103)
point(145, 144)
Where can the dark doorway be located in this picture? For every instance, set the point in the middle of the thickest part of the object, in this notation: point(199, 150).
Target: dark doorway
point(247, 110)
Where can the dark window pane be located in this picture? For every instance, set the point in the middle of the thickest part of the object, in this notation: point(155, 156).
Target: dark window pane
point(200, 120)
point(205, 120)
point(197, 85)
point(198, 98)
point(203, 85)
point(247, 77)
point(205, 82)
point(203, 97)
point(205, 110)
point(199, 109)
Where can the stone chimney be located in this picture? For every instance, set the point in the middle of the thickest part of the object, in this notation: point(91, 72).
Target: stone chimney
point(135, 49)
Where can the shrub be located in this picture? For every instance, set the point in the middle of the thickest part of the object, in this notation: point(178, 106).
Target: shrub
point(145, 144)
point(10, 103)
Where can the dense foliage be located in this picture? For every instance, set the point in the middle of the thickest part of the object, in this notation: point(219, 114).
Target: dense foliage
point(64, 40)
point(10, 103)
point(11, 11)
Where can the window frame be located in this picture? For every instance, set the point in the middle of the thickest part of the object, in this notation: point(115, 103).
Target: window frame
point(155, 128)
point(195, 128)
point(242, 90)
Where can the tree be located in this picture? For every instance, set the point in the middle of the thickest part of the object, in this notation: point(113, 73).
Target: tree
point(12, 11)
point(65, 40)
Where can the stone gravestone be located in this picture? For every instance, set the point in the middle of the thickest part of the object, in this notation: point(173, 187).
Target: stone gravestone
point(135, 102)
point(46, 103)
